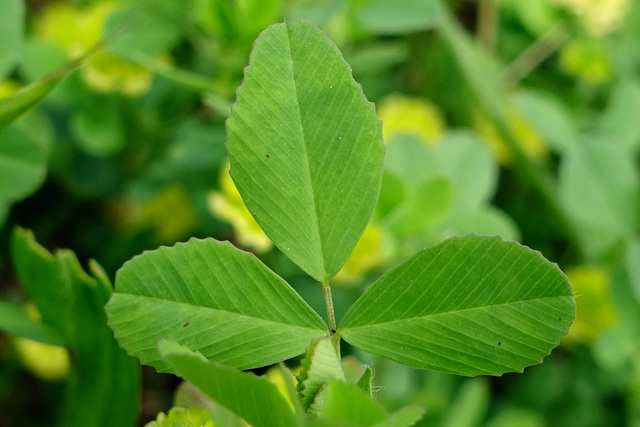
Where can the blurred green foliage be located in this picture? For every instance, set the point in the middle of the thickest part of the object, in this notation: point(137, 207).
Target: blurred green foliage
point(516, 118)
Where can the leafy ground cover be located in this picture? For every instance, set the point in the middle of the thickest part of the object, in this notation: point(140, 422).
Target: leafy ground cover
point(497, 118)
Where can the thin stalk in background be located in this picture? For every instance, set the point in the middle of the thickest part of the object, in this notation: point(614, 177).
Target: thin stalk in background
point(548, 43)
point(487, 26)
point(488, 90)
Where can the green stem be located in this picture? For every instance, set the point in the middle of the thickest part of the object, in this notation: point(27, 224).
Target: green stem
point(486, 28)
point(331, 316)
point(552, 40)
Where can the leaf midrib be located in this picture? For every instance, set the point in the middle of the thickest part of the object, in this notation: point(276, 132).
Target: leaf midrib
point(306, 156)
point(404, 319)
point(215, 309)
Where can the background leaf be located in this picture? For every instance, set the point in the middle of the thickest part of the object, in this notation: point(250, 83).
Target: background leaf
point(599, 187)
point(473, 185)
point(348, 403)
point(253, 398)
point(15, 105)
point(16, 321)
point(305, 147)
point(483, 220)
point(470, 306)
point(404, 417)
point(99, 128)
point(397, 16)
point(24, 151)
point(213, 297)
point(424, 206)
point(148, 28)
point(632, 263)
point(11, 34)
point(619, 120)
point(470, 405)
point(549, 117)
point(71, 303)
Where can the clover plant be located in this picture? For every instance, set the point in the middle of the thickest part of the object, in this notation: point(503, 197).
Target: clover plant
point(307, 156)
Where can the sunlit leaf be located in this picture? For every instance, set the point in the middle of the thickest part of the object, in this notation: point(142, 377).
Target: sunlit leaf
point(212, 297)
point(306, 149)
point(470, 306)
point(47, 362)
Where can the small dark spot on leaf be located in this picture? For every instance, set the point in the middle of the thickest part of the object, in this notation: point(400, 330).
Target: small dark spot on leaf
point(185, 325)
point(499, 343)
point(268, 156)
point(560, 319)
point(333, 331)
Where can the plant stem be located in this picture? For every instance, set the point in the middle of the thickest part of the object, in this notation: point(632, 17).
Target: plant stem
point(331, 316)
point(486, 28)
point(536, 53)
point(489, 93)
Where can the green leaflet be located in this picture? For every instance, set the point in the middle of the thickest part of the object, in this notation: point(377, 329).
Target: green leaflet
point(306, 149)
point(253, 398)
point(469, 306)
point(364, 382)
point(321, 364)
point(210, 296)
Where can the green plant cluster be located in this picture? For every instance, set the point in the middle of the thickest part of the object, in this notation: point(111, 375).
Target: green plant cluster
point(373, 246)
